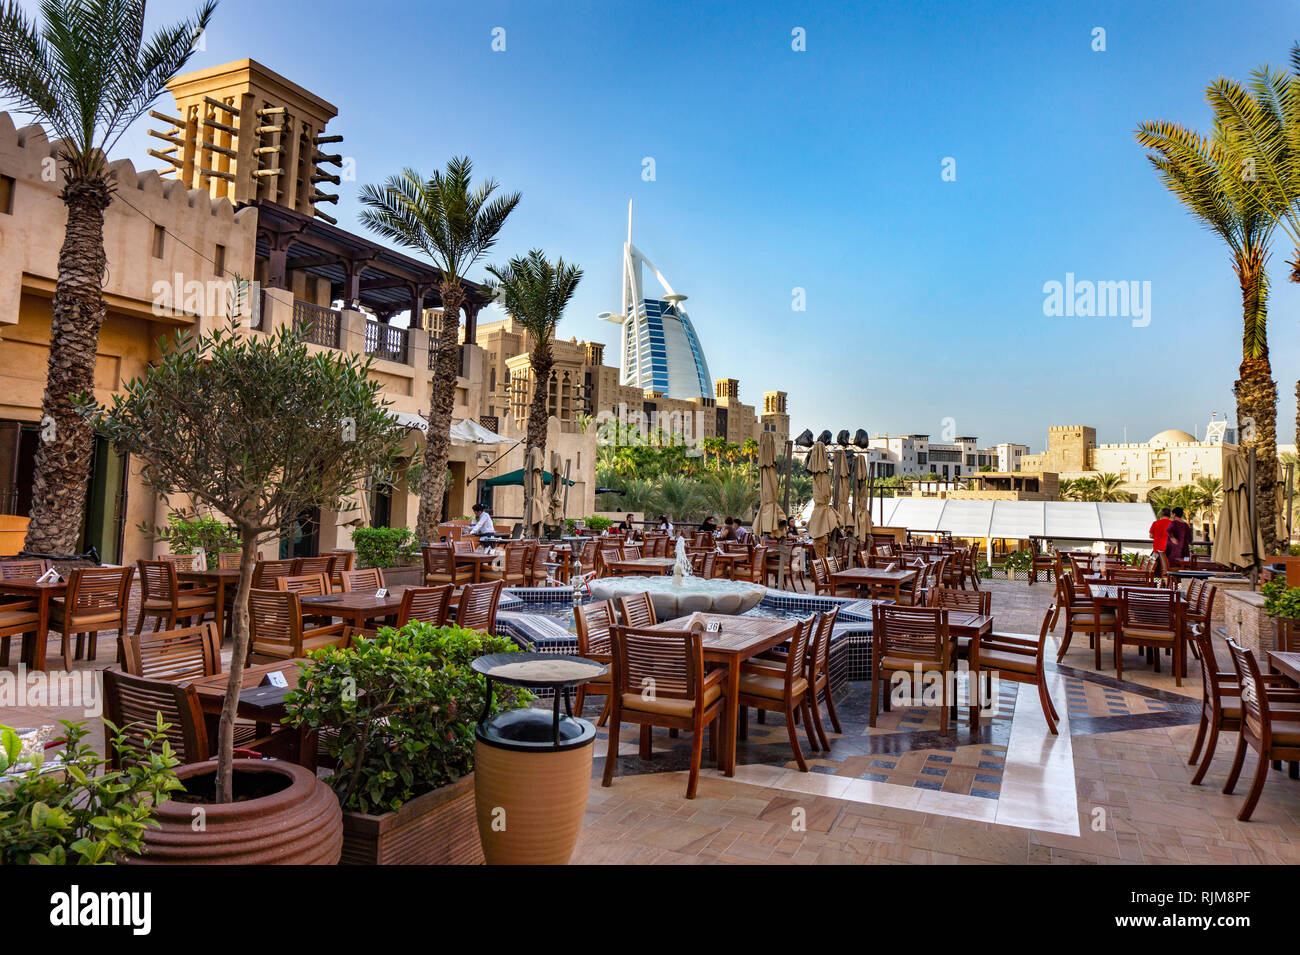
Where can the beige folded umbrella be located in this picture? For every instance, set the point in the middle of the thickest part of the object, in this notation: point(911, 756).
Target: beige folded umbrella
point(1236, 542)
point(533, 475)
point(844, 486)
point(555, 500)
point(769, 516)
point(823, 519)
point(861, 499)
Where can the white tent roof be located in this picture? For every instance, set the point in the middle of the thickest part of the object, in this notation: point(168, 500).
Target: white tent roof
point(1016, 520)
point(464, 431)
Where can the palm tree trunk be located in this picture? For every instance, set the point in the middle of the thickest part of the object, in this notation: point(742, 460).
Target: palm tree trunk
point(442, 401)
point(1256, 392)
point(63, 456)
point(542, 362)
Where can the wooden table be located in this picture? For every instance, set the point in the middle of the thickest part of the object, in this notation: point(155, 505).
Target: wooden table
point(731, 558)
point(33, 651)
point(643, 566)
point(1288, 664)
point(973, 626)
point(740, 639)
point(299, 745)
point(874, 578)
point(224, 580)
point(355, 607)
point(478, 559)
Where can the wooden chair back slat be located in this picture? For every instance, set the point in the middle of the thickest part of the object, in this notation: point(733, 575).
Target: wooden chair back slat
point(637, 610)
point(175, 656)
point(594, 623)
point(133, 704)
point(98, 589)
point(22, 568)
point(425, 604)
point(368, 580)
point(661, 665)
point(266, 571)
point(275, 619)
point(477, 609)
point(305, 585)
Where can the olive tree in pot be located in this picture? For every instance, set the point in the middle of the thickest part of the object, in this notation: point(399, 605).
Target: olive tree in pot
point(398, 712)
point(257, 428)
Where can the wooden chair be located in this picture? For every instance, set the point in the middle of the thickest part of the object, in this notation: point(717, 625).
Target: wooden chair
point(96, 600)
point(659, 680)
point(17, 618)
point(477, 609)
point(587, 556)
point(1018, 657)
point(978, 602)
point(594, 621)
point(1150, 618)
point(276, 627)
point(1221, 701)
point(163, 599)
point(440, 566)
point(783, 691)
point(902, 638)
point(344, 561)
point(181, 561)
point(266, 571)
point(1081, 616)
point(1129, 577)
point(175, 656)
point(425, 604)
point(230, 560)
point(637, 610)
point(1274, 735)
point(23, 568)
point(606, 556)
point(133, 704)
point(755, 571)
point(1200, 611)
point(707, 562)
point(821, 577)
point(368, 580)
point(541, 565)
point(819, 676)
point(308, 566)
point(514, 571)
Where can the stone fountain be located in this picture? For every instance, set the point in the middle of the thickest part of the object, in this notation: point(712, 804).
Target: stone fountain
point(683, 592)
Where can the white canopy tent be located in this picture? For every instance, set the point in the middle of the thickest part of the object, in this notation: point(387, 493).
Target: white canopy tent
point(464, 431)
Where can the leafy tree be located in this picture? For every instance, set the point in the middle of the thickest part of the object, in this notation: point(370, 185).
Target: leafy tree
point(257, 429)
point(87, 73)
point(1110, 487)
point(536, 292)
point(453, 225)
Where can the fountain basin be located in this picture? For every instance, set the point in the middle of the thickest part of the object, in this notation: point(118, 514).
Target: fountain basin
point(692, 595)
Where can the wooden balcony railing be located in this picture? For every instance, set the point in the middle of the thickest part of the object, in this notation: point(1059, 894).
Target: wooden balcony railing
point(317, 324)
point(388, 342)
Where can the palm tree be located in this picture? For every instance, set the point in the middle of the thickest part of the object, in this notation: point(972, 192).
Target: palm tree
point(1209, 497)
point(453, 225)
point(1110, 487)
point(1160, 497)
point(1085, 489)
point(676, 496)
point(1066, 489)
point(1206, 174)
point(536, 293)
point(87, 73)
point(731, 493)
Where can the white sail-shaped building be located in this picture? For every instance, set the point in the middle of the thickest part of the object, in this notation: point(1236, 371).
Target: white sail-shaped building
point(659, 348)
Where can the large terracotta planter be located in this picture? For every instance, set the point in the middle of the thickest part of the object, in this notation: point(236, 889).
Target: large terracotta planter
point(437, 828)
point(531, 804)
point(300, 824)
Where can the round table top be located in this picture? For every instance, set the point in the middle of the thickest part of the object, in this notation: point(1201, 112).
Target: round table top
point(553, 670)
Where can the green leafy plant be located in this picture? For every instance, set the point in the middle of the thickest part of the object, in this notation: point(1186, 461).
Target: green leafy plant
point(599, 524)
point(1281, 600)
point(1020, 560)
point(84, 812)
point(400, 709)
point(384, 546)
point(189, 535)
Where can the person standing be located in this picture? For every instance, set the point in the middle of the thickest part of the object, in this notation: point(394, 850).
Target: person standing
point(1159, 531)
point(1179, 534)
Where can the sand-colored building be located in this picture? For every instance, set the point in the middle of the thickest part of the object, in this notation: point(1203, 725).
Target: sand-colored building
point(236, 199)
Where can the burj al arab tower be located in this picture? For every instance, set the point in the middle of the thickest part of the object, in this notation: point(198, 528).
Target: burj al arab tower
point(660, 349)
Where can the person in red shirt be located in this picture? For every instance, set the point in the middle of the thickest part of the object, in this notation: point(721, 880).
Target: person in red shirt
point(1159, 532)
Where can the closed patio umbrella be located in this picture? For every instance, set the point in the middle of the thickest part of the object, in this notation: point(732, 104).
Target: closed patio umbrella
point(769, 509)
point(555, 500)
point(861, 499)
point(844, 490)
point(537, 500)
point(1236, 542)
point(823, 519)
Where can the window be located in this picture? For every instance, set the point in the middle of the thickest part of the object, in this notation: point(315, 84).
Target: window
point(219, 260)
point(159, 234)
point(7, 195)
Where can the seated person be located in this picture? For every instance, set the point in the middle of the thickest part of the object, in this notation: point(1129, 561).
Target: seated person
point(728, 530)
point(482, 522)
point(709, 525)
point(624, 526)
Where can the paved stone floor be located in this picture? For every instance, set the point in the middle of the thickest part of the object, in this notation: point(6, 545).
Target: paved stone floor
point(1112, 788)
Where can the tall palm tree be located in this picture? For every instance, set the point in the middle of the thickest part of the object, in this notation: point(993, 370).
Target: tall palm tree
point(1209, 497)
point(731, 493)
point(677, 497)
point(86, 74)
point(1110, 487)
point(1205, 173)
point(453, 225)
point(536, 292)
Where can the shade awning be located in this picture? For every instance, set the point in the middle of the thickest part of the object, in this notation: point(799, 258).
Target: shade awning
point(464, 431)
point(516, 479)
point(1016, 520)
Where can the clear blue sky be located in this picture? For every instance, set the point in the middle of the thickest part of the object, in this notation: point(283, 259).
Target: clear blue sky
point(821, 170)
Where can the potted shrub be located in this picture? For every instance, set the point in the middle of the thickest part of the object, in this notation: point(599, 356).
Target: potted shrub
point(1018, 563)
point(189, 535)
point(397, 714)
point(394, 550)
point(1282, 603)
point(283, 429)
point(598, 525)
point(75, 809)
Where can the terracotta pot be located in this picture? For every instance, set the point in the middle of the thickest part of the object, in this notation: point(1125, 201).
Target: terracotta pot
point(531, 804)
point(437, 828)
point(301, 824)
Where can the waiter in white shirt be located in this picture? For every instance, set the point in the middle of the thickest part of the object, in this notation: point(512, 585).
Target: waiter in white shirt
point(482, 522)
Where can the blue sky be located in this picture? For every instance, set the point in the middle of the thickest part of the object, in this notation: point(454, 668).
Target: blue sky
point(821, 170)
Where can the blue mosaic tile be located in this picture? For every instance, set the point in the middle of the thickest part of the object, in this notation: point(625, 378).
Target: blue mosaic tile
point(933, 771)
point(984, 794)
point(874, 777)
point(886, 764)
point(985, 764)
point(941, 759)
point(937, 787)
point(986, 778)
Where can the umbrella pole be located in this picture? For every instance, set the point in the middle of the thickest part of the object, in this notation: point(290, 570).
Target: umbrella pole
point(568, 462)
point(783, 564)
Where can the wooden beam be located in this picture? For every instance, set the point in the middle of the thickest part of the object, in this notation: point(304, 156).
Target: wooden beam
point(321, 140)
point(213, 147)
point(263, 173)
point(179, 143)
point(164, 157)
point(232, 110)
point(216, 175)
point(213, 124)
point(163, 117)
point(330, 219)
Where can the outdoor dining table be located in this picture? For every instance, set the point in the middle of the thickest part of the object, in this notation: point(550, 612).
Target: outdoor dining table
point(729, 559)
point(263, 705)
point(739, 639)
point(478, 559)
point(643, 566)
point(1288, 664)
point(874, 577)
point(973, 626)
point(355, 607)
point(225, 580)
point(1106, 597)
point(33, 651)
